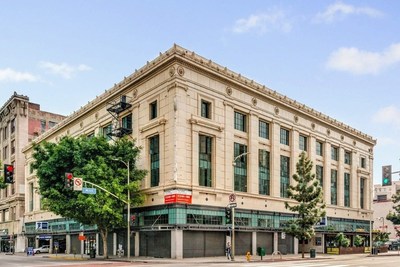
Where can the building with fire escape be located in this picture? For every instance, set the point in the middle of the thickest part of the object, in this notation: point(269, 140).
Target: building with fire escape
point(211, 137)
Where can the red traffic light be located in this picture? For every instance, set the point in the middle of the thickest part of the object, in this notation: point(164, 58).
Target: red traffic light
point(69, 175)
point(10, 168)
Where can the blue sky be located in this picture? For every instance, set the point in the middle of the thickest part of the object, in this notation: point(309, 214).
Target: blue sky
point(339, 57)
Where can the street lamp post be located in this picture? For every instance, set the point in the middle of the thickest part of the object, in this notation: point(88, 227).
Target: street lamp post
point(233, 208)
point(128, 236)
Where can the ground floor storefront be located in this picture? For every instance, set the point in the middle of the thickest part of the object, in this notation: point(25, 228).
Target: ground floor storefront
point(187, 231)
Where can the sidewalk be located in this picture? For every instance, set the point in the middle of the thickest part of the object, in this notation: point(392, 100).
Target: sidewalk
point(218, 259)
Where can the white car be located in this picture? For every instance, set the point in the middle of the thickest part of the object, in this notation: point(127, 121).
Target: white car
point(42, 249)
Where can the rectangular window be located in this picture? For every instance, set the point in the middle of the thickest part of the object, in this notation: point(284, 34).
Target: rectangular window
point(363, 162)
point(107, 130)
point(240, 170)
point(284, 137)
point(5, 133)
point(52, 124)
point(319, 174)
point(334, 153)
point(42, 126)
point(347, 189)
point(263, 129)
point(153, 110)
point(263, 172)
point(5, 152)
point(303, 142)
point(240, 121)
point(347, 157)
point(127, 122)
point(12, 125)
point(285, 176)
point(154, 144)
point(334, 187)
point(12, 147)
point(205, 160)
point(31, 196)
point(319, 148)
point(362, 192)
point(205, 109)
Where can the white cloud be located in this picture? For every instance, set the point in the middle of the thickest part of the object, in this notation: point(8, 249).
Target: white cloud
point(261, 23)
point(387, 115)
point(10, 75)
point(63, 69)
point(340, 10)
point(353, 60)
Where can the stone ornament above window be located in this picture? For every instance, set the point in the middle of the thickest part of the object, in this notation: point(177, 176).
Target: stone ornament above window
point(134, 93)
point(254, 101)
point(354, 143)
point(313, 126)
point(181, 71)
point(296, 119)
point(328, 132)
point(342, 137)
point(171, 71)
point(229, 90)
point(276, 110)
point(96, 116)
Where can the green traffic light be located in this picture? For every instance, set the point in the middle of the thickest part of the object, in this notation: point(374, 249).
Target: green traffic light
point(385, 181)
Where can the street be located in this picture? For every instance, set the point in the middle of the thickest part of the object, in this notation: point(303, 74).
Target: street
point(356, 260)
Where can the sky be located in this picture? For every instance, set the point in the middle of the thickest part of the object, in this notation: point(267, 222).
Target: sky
point(341, 58)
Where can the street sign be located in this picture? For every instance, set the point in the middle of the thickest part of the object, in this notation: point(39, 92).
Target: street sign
point(232, 197)
point(78, 184)
point(90, 191)
point(232, 205)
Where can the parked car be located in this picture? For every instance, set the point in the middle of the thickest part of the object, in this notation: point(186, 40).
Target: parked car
point(42, 249)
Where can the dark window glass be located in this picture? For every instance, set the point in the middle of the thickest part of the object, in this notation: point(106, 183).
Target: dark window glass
point(263, 172)
point(319, 173)
point(285, 176)
point(153, 110)
point(303, 142)
point(240, 121)
point(263, 129)
point(319, 148)
point(334, 187)
point(284, 137)
point(205, 109)
point(240, 170)
point(154, 160)
point(205, 160)
point(347, 189)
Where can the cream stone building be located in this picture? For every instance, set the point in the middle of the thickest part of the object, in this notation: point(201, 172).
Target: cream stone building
point(20, 122)
point(212, 137)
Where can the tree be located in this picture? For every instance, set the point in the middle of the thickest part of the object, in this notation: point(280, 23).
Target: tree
point(94, 160)
point(342, 241)
point(394, 216)
point(359, 241)
point(309, 204)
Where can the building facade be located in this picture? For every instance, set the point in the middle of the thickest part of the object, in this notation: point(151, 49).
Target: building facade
point(382, 206)
point(20, 122)
point(212, 137)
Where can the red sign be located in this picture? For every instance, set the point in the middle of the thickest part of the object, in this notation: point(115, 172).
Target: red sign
point(82, 237)
point(178, 198)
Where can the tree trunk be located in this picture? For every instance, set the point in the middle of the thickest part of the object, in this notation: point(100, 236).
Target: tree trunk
point(302, 248)
point(104, 235)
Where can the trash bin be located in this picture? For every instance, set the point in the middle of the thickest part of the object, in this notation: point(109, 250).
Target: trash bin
point(261, 251)
point(374, 251)
point(312, 253)
point(92, 253)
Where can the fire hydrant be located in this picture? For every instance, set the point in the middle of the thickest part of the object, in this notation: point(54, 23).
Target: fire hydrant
point(248, 256)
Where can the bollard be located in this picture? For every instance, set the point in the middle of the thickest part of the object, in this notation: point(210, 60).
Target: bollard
point(248, 256)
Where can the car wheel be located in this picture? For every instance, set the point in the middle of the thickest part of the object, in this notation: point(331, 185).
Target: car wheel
point(37, 252)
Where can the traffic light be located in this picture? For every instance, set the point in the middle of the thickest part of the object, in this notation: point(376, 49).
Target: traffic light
point(228, 215)
point(387, 175)
point(8, 174)
point(69, 181)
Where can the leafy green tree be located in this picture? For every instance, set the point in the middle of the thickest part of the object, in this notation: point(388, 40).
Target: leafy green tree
point(394, 216)
point(342, 240)
point(309, 204)
point(358, 241)
point(2, 178)
point(95, 160)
